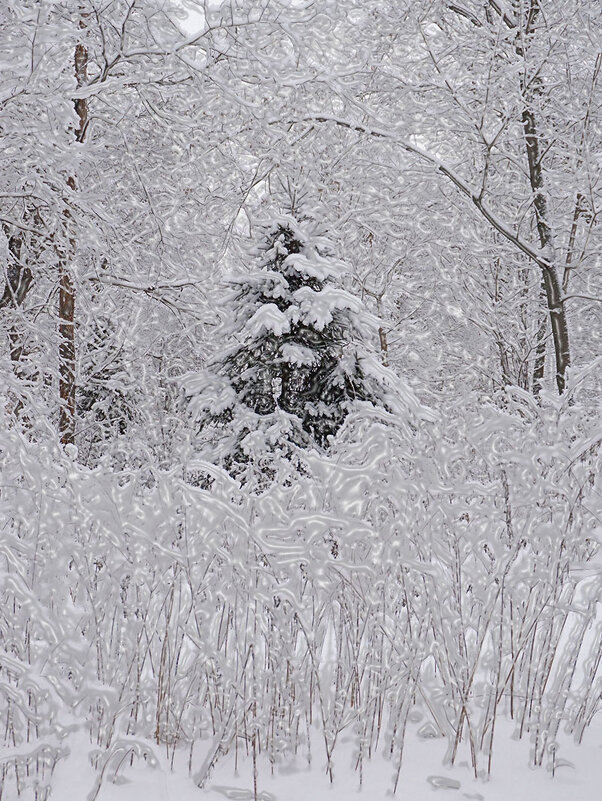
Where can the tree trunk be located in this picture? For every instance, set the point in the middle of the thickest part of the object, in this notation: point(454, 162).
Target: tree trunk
point(382, 334)
point(18, 276)
point(551, 282)
point(533, 143)
point(524, 345)
point(67, 346)
point(66, 354)
point(539, 365)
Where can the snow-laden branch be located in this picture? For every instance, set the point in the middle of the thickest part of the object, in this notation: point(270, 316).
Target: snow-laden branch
point(26, 228)
point(582, 297)
point(464, 12)
point(503, 13)
point(196, 40)
point(475, 196)
point(148, 288)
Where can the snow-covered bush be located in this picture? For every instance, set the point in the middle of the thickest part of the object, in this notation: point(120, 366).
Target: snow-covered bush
point(448, 579)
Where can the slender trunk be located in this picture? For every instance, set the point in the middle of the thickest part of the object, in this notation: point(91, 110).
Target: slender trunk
point(499, 339)
point(382, 334)
point(533, 142)
point(580, 200)
point(568, 262)
point(18, 276)
point(539, 364)
point(551, 282)
point(67, 345)
point(504, 365)
point(384, 346)
point(523, 343)
point(66, 354)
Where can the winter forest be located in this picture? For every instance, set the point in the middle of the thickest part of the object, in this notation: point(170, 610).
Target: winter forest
point(300, 373)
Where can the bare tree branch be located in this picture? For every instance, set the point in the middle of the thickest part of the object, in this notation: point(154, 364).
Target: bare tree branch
point(473, 194)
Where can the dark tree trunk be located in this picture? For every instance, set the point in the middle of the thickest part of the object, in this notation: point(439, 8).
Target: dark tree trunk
point(66, 355)
point(551, 282)
point(18, 275)
point(67, 345)
point(382, 333)
point(539, 365)
point(553, 291)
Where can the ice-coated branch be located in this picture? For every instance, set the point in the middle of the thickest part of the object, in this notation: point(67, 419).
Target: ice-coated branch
point(475, 196)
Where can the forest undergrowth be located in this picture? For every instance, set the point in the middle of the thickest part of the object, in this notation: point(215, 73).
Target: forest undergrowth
point(453, 573)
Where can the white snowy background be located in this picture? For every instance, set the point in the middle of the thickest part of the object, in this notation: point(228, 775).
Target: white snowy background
point(300, 478)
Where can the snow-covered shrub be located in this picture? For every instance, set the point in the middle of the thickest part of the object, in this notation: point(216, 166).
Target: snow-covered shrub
point(500, 578)
point(39, 642)
point(446, 577)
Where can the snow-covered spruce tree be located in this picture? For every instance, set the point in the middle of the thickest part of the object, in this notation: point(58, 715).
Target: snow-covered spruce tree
point(297, 357)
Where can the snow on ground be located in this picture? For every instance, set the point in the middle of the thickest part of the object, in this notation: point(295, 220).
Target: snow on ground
point(424, 776)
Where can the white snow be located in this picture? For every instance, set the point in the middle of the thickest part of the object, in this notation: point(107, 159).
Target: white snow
point(424, 775)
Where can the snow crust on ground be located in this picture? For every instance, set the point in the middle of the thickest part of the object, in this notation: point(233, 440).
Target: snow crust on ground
point(424, 776)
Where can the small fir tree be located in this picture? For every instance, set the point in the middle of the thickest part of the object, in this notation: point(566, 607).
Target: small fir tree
point(299, 362)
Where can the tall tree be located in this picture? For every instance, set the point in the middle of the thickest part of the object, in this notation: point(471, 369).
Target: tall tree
point(67, 347)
